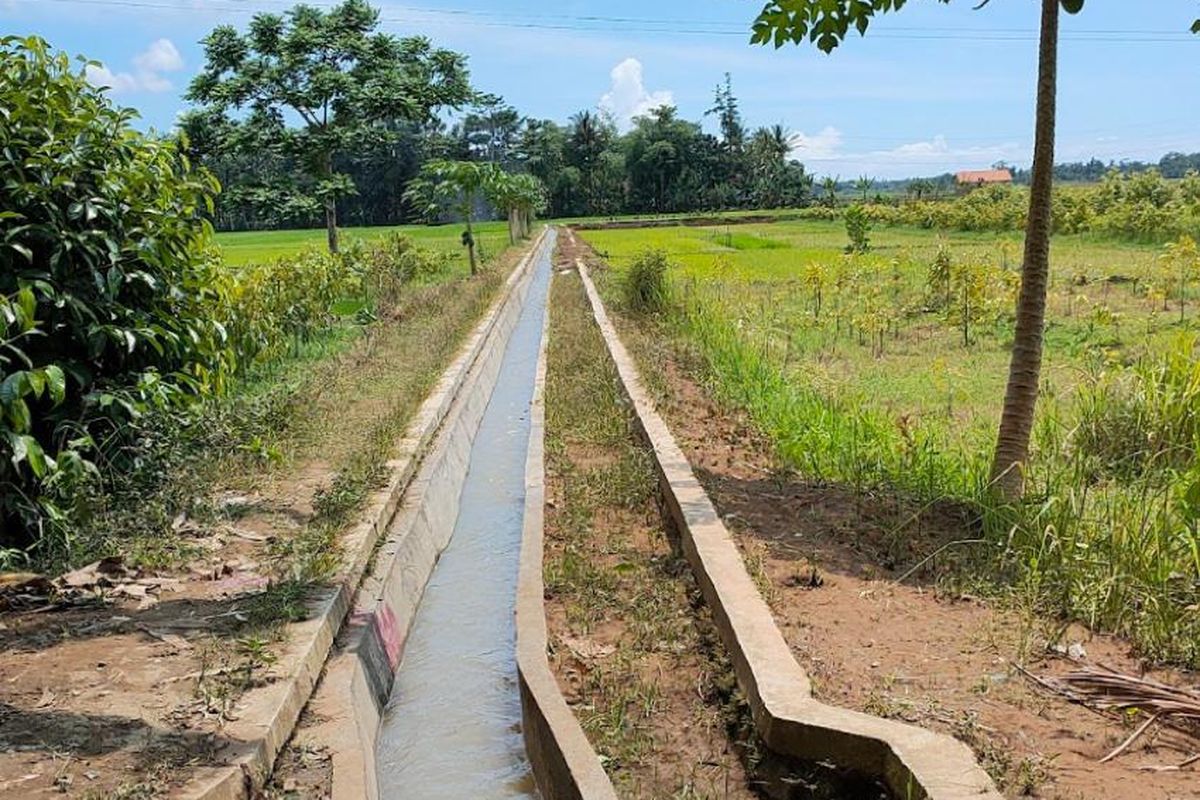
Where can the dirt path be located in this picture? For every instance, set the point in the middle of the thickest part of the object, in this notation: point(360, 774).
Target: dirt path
point(121, 695)
point(922, 651)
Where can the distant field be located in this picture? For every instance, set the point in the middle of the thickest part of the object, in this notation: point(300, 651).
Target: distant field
point(253, 246)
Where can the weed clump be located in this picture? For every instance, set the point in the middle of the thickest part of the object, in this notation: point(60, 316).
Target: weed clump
point(1148, 419)
point(646, 288)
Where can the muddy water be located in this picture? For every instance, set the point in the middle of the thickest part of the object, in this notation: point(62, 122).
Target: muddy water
point(452, 726)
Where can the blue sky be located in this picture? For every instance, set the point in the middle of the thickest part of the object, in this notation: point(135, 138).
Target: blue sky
point(932, 89)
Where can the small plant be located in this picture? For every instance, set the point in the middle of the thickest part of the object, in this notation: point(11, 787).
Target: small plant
point(645, 287)
point(858, 228)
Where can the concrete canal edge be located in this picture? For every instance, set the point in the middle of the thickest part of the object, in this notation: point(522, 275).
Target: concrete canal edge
point(349, 696)
point(912, 761)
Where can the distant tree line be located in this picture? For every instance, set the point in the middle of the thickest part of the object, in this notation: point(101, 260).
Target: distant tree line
point(664, 164)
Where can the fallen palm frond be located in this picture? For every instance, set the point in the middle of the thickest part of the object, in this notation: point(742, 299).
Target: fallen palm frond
point(1107, 689)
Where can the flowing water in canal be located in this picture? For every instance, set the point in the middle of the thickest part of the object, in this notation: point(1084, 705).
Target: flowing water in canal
point(452, 726)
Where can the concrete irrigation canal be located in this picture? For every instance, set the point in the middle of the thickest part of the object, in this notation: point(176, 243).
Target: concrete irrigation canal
point(438, 684)
point(452, 728)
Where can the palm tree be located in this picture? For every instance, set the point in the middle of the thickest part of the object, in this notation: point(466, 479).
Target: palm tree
point(1025, 368)
point(588, 140)
point(864, 184)
point(830, 185)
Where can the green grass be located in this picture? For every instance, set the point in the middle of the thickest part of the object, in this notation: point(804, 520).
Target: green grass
point(860, 372)
point(245, 247)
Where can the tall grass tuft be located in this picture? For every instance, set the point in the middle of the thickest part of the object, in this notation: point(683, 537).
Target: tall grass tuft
point(645, 287)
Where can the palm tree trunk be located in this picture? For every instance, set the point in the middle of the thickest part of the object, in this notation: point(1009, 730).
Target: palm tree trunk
point(513, 225)
point(1024, 376)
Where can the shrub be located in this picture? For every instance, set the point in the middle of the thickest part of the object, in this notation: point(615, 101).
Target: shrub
point(1146, 419)
point(858, 228)
point(645, 286)
point(102, 252)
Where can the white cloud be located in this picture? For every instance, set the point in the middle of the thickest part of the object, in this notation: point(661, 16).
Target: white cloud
point(628, 98)
point(160, 56)
point(116, 81)
point(818, 146)
point(826, 152)
point(148, 75)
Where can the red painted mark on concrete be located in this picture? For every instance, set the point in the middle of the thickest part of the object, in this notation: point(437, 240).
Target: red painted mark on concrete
point(389, 634)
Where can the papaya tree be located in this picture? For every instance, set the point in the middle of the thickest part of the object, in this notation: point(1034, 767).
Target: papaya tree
point(334, 73)
point(827, 23)
point(459, 185)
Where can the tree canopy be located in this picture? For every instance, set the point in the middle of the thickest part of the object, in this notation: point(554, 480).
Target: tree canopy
point(309, 83)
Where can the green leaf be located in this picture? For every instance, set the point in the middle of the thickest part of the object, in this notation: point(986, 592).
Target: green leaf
point(56, 380)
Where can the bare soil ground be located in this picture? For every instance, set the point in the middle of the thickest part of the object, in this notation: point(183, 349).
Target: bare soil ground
point(631, 644)
point(119, 688)
point(828, 559)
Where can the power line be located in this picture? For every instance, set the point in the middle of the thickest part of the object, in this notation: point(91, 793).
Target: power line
point(607, 24)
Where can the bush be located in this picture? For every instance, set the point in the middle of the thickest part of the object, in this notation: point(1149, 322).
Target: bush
point(645, 286)
point(1147, 419)
point(858, 228)
point(106, 281)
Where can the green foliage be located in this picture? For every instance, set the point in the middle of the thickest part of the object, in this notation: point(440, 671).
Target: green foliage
point(107, 289)
point(1142, 207)
point(1132, 422)
point(344, 81)
point(858, 229)
point(645, 286)
point(114, 310)
point(826, 23)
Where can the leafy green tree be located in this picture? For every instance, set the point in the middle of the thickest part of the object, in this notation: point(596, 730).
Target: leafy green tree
point(458, 184)
point(107, 293)
point(826, 23)
point(337, 75)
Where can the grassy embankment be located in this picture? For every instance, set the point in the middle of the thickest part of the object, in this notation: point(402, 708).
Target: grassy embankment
point(887, 370)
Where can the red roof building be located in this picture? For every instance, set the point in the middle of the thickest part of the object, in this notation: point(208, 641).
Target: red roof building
point(983, 177)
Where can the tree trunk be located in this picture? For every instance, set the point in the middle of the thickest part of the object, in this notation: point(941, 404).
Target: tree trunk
point(514, 225)
point(471, 247)
point(1024, 376)
point(331, 230)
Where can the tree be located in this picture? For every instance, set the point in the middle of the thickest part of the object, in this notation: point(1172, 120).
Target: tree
point(460, 184)
point(519, 196)
point(591, 135)
point(332, 71)
point(109, 300)
point(864, 184)
point(725, 108)
point(830, 184)
point(826, 23)
point(921, 187)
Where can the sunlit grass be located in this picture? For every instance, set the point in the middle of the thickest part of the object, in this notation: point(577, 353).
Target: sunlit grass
point(245, 247)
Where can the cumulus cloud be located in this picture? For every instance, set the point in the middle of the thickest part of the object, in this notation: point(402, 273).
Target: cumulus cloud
point(826, 152)
point(149, 70)
point(627, 97)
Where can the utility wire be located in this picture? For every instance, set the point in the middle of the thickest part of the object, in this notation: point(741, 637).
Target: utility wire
point(605, 24)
